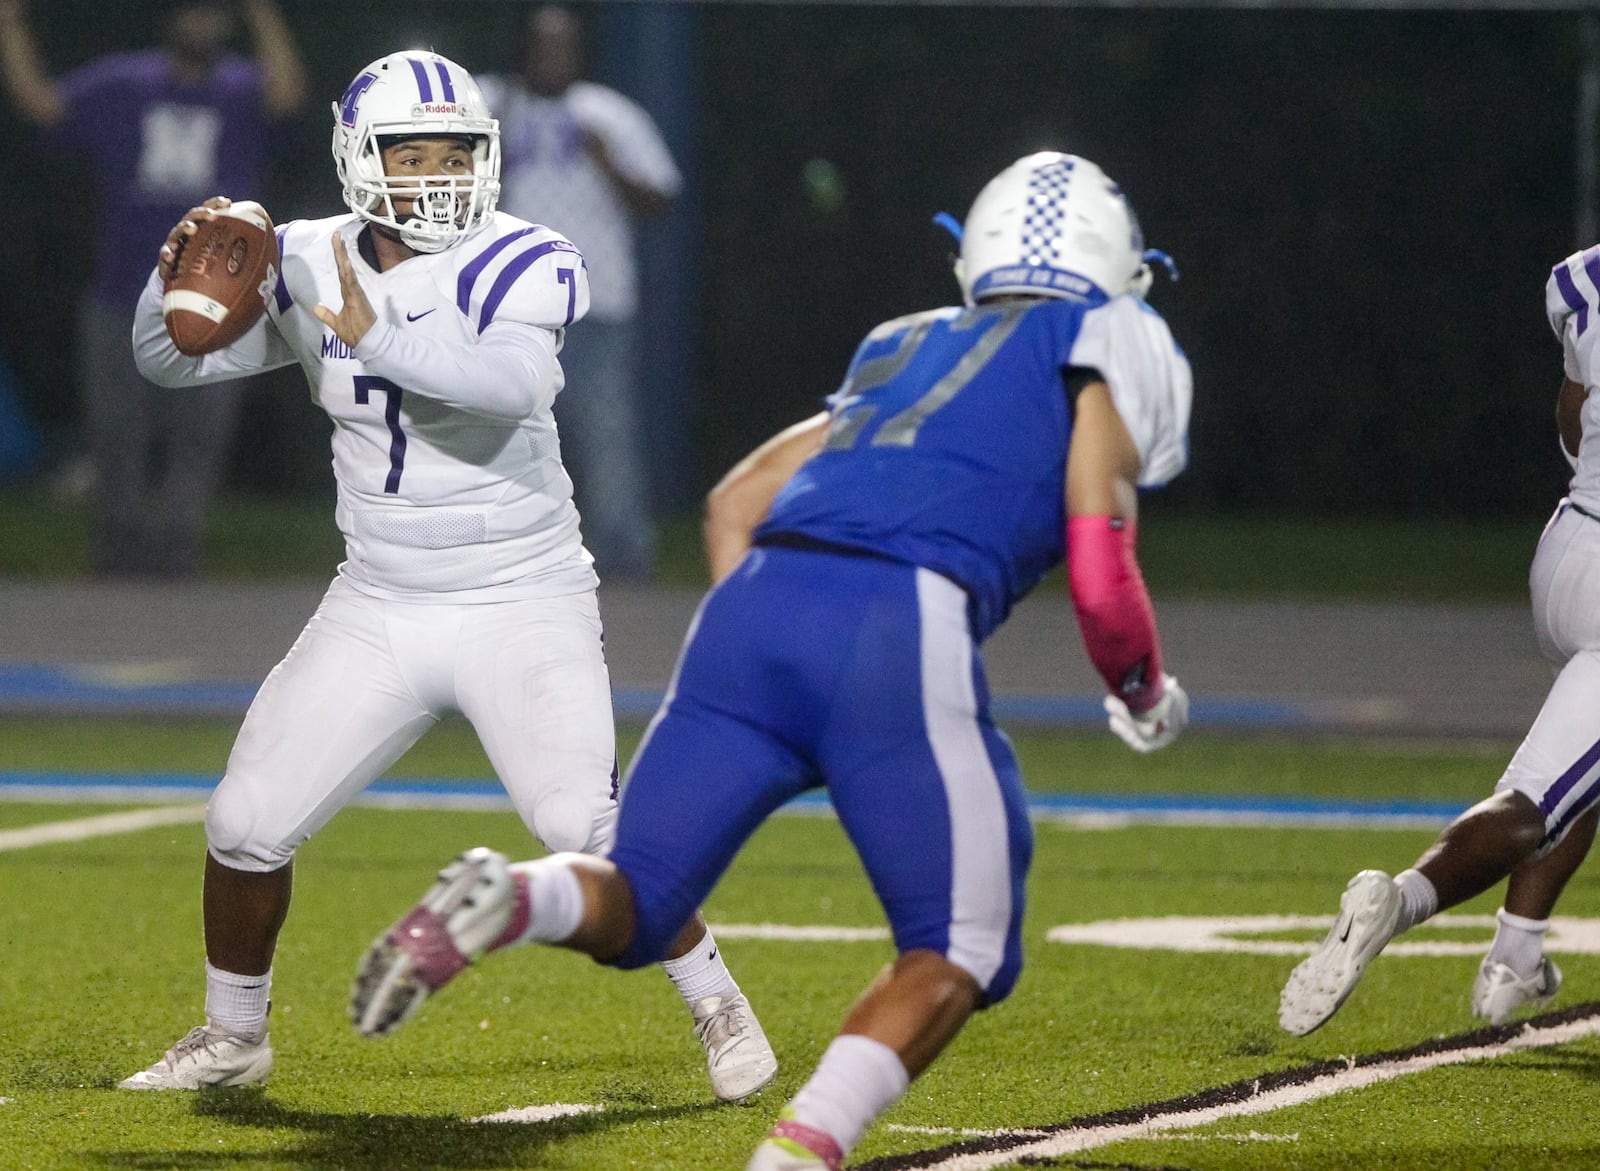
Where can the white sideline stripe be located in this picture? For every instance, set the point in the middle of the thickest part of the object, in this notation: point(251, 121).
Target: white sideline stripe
point(83, 828)
point(1087, 1138)
point(541, 1113)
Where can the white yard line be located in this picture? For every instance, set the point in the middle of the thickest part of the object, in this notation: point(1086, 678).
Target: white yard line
point(82, 828)
point(541, 1113)
point(1355, 1077)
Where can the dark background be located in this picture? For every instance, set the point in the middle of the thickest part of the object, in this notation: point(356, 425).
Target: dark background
point(1365, 206)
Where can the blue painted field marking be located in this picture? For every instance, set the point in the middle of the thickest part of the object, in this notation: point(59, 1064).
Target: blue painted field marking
point(1093, 810)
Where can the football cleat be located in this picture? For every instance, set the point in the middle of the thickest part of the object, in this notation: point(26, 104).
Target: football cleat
point(794, 1146)
point(1499, 991)
point(1368, 911)
point(207, 1057)
point(475, 906)
point(738, 1056)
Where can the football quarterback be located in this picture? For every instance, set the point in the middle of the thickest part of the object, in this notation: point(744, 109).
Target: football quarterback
point(429, 326)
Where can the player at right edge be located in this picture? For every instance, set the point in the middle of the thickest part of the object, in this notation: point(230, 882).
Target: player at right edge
point(1539, 823)
point(861, 557)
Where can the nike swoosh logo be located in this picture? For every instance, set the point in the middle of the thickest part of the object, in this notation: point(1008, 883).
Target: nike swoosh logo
point(1345, 938)
point(419, 316)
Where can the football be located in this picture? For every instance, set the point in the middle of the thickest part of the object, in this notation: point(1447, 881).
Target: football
point(225, 274)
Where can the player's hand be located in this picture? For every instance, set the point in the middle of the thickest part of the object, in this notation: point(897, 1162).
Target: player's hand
point(1155, 728)
point(184, 229)
point(356, 317)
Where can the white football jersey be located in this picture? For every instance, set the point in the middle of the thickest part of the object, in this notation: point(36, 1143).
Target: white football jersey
point(1572, 304)
point(444, 447)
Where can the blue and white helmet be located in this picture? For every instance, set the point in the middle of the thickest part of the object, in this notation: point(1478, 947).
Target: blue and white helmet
point(411, 94)
point(1052, 225)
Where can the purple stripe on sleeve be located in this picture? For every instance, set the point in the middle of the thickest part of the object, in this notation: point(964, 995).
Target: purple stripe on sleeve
point(1569, 294)
point(423, 88)
point(446, 88)
point(508, 277)
point(471, 273)
point(281, 293)
point(1591, 265)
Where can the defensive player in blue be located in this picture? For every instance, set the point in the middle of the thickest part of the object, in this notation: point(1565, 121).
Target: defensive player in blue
point(861, 557)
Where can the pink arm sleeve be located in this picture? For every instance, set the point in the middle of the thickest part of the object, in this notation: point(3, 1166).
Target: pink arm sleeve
point(1114, 612)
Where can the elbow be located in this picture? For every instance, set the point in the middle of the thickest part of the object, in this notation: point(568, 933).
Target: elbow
point(166, 370)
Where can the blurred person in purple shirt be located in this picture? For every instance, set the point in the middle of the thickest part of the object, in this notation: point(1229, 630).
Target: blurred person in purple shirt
point(162, 129)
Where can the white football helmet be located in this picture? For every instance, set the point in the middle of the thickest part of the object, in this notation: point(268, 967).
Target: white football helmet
point(408, 95)
point(1052, 225)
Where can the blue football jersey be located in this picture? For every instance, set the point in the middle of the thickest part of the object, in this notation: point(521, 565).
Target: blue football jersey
point(948, 442)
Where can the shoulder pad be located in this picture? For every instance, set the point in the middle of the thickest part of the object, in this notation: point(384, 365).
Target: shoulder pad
point(530, 274)
point(1573, 290)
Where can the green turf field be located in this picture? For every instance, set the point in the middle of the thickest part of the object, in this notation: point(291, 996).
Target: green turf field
point(102, 955)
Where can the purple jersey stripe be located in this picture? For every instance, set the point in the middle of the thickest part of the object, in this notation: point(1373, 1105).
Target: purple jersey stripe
point(1591, 265)
point(445, 87)
point(471, 273)
point(423, 87)
point(281, 293)
point(508, 277)
point(1569, 294)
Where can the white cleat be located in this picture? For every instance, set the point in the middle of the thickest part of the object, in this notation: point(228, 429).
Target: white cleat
point(1368, 910)
point(738, 1056)
point(465, 913)
point(1499, 991)
point(792, 1146)
point(207, 1057)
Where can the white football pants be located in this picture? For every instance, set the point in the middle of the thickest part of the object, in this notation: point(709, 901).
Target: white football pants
point(1557, 765)
point(367, 677)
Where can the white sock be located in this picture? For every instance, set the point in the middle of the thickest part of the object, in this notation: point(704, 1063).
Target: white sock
point(1419, 902)
point(856, 1080)
point(701, 972)
point(555, 900)
point(237, 1004)
point(1518, 942)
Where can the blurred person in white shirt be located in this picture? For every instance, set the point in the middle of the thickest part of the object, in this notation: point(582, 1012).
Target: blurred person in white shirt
point(587, 161)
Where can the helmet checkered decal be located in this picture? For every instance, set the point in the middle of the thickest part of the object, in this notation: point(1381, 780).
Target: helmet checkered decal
point(1043, 221)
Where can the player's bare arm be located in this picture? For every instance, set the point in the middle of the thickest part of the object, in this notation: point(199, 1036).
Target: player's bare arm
point(1146, 707)
point(741, 498)
point(1103, 462)
point(1569, 415)
point(355, 317)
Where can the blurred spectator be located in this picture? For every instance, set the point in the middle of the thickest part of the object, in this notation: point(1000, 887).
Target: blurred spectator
point(162, 129)
point(587, 161)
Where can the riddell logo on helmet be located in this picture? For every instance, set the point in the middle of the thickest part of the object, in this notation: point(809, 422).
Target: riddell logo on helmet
point(435, 108)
